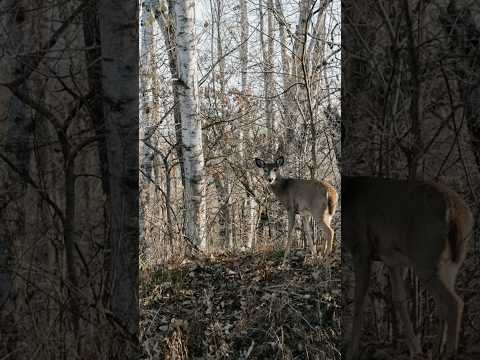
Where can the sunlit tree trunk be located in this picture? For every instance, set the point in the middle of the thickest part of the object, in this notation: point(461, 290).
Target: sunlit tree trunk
point(195, 204)
point(145, 113)
point(167, 21)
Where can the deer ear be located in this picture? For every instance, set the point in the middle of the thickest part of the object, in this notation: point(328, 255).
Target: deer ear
point(280, 161)
point(260, 163)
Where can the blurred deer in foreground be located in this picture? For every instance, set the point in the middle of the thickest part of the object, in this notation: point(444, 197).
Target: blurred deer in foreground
point(301, 196)
point(407, 223)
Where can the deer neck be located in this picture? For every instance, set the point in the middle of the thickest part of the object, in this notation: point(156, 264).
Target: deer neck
point(279, 185)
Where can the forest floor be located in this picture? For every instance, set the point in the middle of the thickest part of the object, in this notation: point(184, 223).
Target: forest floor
point(242, 307)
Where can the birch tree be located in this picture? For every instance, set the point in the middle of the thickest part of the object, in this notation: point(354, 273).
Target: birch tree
point(193, 160)
point(248, 95)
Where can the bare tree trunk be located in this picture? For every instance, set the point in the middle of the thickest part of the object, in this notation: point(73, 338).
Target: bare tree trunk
point(167, 22)
point(289, 106)
point(91, 33)
point(462, 25)
point(145, 115)
point(18, 147)
point(269, 76)
point(267, 52)
point(222, 183)
point(224, 218)
point(191, 124)
point(249, 204)
point(120, 84)
point(416, 91)
point(283, 49)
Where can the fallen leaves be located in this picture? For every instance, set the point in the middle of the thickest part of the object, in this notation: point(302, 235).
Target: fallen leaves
point(241, 307)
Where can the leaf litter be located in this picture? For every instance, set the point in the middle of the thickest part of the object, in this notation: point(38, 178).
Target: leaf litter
point(243, 306)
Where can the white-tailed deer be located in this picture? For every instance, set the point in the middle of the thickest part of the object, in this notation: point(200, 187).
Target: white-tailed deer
point(407, 224)
point(301, 196)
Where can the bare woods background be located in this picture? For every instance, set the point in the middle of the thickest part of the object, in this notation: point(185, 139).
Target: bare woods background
point(236, 81)
point(68, 179)
point(411, 109)
point(224, 82)
point(266, 80)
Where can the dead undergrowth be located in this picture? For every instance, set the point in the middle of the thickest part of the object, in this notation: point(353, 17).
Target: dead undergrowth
point(381, 341)
point(241, 307)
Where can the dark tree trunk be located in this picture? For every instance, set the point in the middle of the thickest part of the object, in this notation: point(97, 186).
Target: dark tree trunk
point(119, 34)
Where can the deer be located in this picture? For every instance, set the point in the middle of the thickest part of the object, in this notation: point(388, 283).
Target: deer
point(302, 197)
point(422, 225)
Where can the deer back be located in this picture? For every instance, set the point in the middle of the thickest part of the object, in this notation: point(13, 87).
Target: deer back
point(304, 195)
point(404, 222)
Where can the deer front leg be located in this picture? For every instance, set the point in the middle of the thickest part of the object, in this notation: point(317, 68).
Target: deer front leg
point(449, 305)
point(440, 340)
point(309, 236)
point(362, 280)
point(400, 304)
point(291, 223)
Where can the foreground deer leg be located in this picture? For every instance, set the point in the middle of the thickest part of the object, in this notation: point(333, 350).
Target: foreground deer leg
point(440, 343)
point(291, 223)
point(362, 279)
point(309, 236)
point(440, 339)
point(450, 308)
point(400, 304)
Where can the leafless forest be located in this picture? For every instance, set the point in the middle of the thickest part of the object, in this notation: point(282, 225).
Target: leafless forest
point(135, 222)
point(68, 179)
point(224, 82)
point(410, 110)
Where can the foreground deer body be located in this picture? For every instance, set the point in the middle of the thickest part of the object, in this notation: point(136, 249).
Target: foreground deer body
point(406, 223)
point(300, 196)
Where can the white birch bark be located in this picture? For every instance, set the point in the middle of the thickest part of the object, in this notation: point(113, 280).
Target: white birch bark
point(166, 19)
point(195, 205)
point(146, 98)
point(146, 101)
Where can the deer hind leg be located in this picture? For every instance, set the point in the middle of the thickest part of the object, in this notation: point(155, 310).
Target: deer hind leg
point(449, 274)
point(450, 307)
point(325, 224)
point(400, 303)
point(450, 278)
point(362, 280)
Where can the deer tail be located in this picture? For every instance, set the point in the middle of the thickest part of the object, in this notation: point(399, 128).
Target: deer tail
point(453, 239)
point(330, 203)
point(460, 232)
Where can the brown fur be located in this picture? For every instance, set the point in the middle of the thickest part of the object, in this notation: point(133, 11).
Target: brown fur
point(332, 197)
point(301, 196)
point(415, 224)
